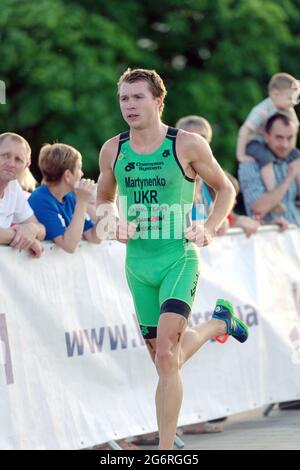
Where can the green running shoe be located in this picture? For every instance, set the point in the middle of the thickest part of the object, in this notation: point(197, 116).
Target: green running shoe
point(235, 327)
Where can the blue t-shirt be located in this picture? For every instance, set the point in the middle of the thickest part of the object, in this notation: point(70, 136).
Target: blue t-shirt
point(56, 216)
point(200, 210)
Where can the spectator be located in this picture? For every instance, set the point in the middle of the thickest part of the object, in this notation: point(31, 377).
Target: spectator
point(18, 226)
point(283, 96)
point(204, 196)
point(27, 182)
point(61, 202)
point(248, 224)
point(279, 142)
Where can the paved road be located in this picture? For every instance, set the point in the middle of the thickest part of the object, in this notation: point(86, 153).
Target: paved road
point(251, 430)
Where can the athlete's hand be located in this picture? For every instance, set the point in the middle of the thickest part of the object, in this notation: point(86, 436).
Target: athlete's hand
point(199, 233)
point(125, 230)
point(112, 227)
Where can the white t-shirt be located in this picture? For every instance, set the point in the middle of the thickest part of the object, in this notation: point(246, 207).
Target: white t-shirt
point(14, 207)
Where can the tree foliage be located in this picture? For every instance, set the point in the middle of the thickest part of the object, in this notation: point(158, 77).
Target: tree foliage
point(60, 61)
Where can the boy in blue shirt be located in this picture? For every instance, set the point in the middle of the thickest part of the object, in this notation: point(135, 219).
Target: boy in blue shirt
point(60, 204)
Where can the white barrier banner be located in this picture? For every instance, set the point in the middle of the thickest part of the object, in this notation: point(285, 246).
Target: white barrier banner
point(74, 370)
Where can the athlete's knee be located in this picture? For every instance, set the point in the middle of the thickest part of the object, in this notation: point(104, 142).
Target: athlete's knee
point(166, 361)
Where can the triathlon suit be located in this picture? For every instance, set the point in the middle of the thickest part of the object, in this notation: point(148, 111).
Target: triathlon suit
point(162, 267)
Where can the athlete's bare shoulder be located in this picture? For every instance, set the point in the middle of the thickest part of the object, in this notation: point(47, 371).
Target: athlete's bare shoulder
point(190, 140)
point(191, 145)
point(108, 152)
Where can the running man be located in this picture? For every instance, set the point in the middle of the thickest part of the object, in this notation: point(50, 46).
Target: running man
point(154, 168)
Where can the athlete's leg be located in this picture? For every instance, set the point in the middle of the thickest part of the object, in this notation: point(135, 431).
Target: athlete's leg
point(223, 322)
point(146, 301)
point(151, 346)
point(174, 345)
point(181, 283)
point(170, 329)
point(194, 338)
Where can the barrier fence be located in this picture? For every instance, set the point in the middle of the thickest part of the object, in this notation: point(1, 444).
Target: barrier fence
point(74, 370)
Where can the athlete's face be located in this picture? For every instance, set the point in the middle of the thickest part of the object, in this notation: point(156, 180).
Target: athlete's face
point(13, 159)
point(281, 138)
point(138, 106)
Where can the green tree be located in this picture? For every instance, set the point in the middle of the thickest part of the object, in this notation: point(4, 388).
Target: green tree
point(59, 65)
point(61, 61)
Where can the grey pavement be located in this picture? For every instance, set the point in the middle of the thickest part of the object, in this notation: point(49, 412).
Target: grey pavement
point(278, 431)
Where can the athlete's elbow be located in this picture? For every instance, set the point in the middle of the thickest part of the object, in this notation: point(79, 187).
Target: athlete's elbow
point(228, 194)
point(228, 190)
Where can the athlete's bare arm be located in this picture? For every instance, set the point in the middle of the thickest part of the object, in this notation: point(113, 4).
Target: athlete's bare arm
point(196, 155)
point(107, 185)
point(107, 210)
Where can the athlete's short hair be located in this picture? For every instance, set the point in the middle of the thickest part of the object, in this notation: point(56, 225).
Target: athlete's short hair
point(55, 159)
point(282, 81)
point(17, 138)
point(155, 82)
point(198, 121)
